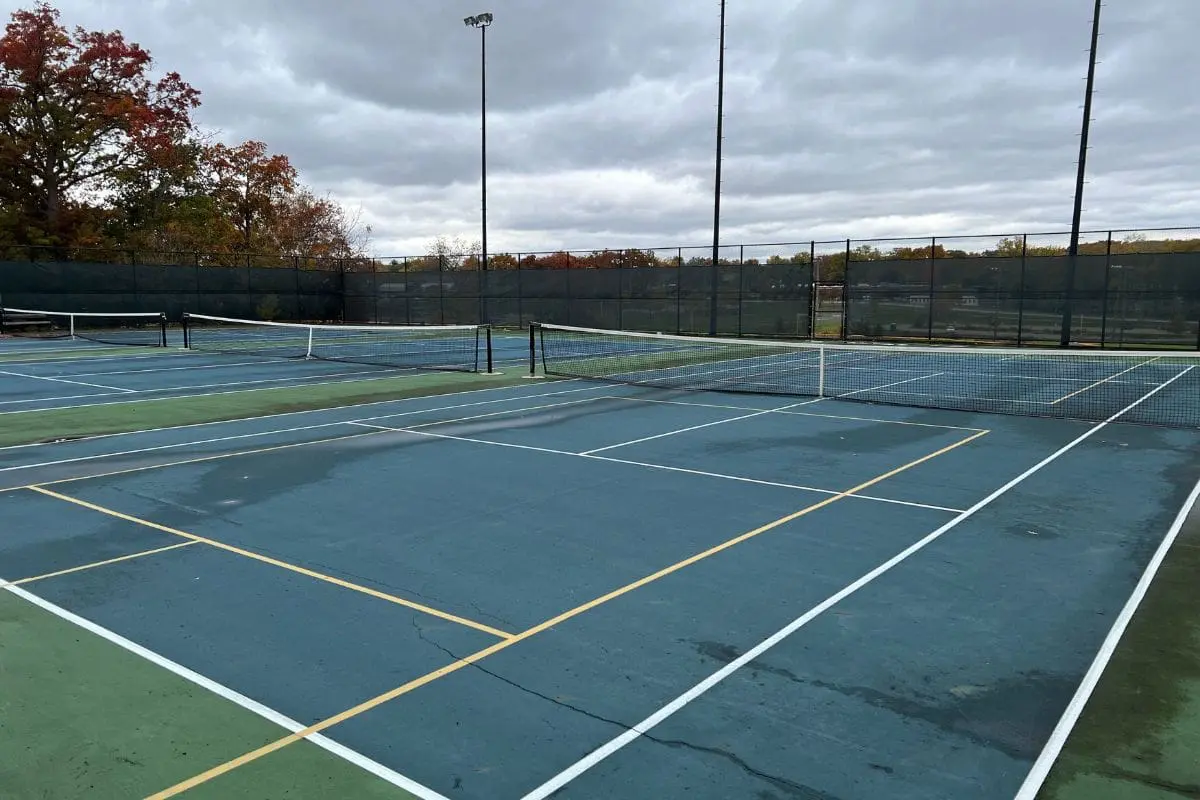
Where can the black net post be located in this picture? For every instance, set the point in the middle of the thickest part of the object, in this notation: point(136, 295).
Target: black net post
point(932, 283)
point(187, 337)
point(162, 330)
point(488, 335)
point(532, 349)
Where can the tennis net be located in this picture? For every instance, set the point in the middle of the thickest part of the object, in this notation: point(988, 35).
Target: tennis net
point(1159, 388)
point(147, 329)
point(464, 348)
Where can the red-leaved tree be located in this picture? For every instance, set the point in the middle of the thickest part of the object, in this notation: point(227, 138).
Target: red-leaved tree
point(78, 110)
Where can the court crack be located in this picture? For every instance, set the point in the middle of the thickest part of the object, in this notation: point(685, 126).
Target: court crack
point(792, 788)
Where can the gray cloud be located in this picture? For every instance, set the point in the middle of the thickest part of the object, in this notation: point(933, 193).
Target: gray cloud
point(843, 117)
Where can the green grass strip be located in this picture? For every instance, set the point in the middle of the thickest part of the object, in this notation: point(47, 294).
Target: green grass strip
point(1139, 736)
point(84, 717)
point(134, 415)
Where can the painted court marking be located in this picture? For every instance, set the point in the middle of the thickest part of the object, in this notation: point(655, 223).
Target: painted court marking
point(253, 706)
point(236, 437)
point(1103, 381)
point(110, 389)
point(1058, 738)
point(275, 562)
point(719, 475)
point(104, 563)
point(479, 655)
point(670, 709)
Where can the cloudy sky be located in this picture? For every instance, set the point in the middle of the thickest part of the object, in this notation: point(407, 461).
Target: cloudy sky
point(860, 118)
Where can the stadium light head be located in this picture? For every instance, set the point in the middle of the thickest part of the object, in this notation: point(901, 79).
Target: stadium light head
point(478, 21)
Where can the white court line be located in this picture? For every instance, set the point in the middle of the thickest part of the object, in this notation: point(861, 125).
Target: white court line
point(224, 692)
point(1091, 386)
point(111, 389)
point(721, 476)
point(696, 427)
point(760, 413)
point(130, 401)
point(800, 413)
point(294, 380)
point(305, 412)
point(1058, 737)
point(256, 363)
point(175, 353)
point(317, 426)
point(670, 709)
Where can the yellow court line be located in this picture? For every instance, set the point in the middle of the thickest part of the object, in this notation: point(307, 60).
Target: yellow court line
point(1091, 386)
point(479, 655)
point(103, 563)
point(433, 612)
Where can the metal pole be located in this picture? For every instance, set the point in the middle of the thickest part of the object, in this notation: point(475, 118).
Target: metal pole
point(1104, 298)
point(932, 283)
point(846, 293)
point(712, 313)
point(1073, 251)
point(1021, 293)
point(483, 165)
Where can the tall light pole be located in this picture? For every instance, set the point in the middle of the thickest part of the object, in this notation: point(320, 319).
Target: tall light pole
point(1081, 172)
point(481, 21)
point(716, 250)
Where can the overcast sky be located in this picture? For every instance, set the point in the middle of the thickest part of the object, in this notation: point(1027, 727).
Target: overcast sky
point(860, 118)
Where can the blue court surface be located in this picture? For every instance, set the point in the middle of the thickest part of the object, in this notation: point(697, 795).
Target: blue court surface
point(581, 590)
point(39, 375)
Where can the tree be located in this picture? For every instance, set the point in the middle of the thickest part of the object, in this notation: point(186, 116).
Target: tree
point(249, 185)
point(77, 112)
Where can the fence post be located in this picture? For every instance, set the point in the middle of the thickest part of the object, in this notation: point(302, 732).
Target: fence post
point(520, 293)
point(846, 295)
point(741, 284)
point(620, 290)
point(814, 292)
point(441, 289)
point(932, 283)
point(137, 299)
point(679, 290)
point(296, 281)
point(567, 281)
point(196, 271)
point(1021, 293)
point(1104, 298)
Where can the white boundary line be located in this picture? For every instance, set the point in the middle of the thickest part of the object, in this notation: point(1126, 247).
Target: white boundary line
point(288, 381)
point(670, 709)
point(261, 417)
point(217, 394)
point(648, 465)
point(697, 427)
point(803, 414)
point(1101, 382)
point(111, 389)
point(269, 714)
point(1058, 738)
point(299, 428)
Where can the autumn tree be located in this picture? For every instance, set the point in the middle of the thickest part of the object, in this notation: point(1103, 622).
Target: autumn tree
point(249, 185)
point(78, 111)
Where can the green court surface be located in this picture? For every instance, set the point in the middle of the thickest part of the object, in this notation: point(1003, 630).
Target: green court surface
point(473, 586)
point(84, 717)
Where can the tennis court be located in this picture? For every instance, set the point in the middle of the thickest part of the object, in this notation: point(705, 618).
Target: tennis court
point(670, 568)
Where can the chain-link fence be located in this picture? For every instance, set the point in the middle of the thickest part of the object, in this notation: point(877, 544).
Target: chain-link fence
point(1138, 289)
